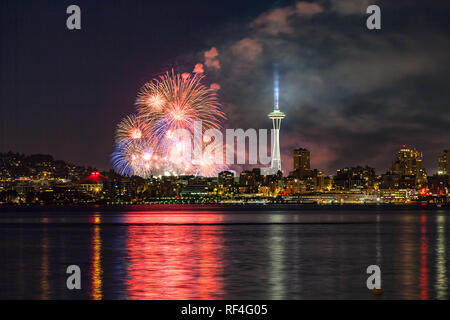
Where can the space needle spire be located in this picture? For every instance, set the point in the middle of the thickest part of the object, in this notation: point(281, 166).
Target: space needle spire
point(276, 88)
point(276, 116)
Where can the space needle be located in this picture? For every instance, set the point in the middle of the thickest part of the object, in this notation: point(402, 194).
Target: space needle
point(276, 116)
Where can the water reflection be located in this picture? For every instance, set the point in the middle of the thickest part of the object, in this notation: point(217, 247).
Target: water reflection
point(45, 266)
point(423, 258)
point(441, 268)
point(378, 245)
point(174, 262)
point(275, 245)
point(220, 255)
point(96, 259)
point(408, 252)
point(210, 280)
point(21, 265)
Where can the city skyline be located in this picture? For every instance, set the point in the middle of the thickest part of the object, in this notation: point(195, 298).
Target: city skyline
point(39, 179)
point(228, 156)
point(301, 160)
point(350, 102)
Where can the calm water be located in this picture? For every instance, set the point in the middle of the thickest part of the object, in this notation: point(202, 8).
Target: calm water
point(182, 254)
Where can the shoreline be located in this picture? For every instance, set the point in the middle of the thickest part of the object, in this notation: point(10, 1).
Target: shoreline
point(221, 207)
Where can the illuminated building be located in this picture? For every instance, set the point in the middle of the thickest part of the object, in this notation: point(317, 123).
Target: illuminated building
point(192, 190)
point(259, 179)
point(276, 116)
point(409, 162)
point(444, 163)
point(226, 179)
point(90, 187)
point(317, 180)
point(390, 181)
point(334, 198)
point(226, 183)
point(295, 186)
point(439, 184)
point(312, 180)
point(275, 183)
point(31, 180)
point(354, 178)
point(394, 195)
point(246, 182)
point(409, 166)
point(301, 162)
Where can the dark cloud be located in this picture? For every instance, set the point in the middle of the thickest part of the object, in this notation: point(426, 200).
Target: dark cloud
point(351, 95)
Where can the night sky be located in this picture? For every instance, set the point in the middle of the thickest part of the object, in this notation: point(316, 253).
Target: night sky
point(352, 96)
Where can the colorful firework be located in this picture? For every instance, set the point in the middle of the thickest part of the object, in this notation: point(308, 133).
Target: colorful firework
point(175, 101)
point(146, 144)
point(132, 158)
point(131, 128)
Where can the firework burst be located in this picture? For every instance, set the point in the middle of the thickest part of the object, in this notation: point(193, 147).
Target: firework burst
point(175, 101)
point(145, 143)
point(131, 128)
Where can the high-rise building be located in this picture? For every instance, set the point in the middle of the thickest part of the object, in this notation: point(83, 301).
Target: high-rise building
point(409, 167)
point(409, 162)
point(444, 163)
point(302, 161)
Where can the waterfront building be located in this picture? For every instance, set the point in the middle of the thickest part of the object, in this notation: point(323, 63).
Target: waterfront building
point(395, 195)
point(354, 178)
point(439, 184)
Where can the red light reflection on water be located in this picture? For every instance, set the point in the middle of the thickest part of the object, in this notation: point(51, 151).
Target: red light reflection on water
point(173, 217)
point(172, 260)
